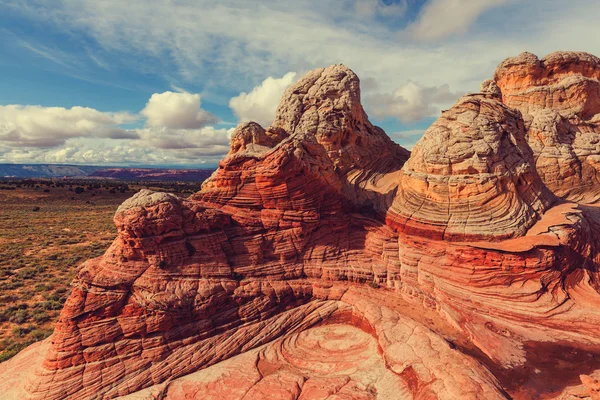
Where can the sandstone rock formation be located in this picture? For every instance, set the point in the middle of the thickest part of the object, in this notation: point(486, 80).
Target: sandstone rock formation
point(559, 97)
point(471, 176)
point(319, 261)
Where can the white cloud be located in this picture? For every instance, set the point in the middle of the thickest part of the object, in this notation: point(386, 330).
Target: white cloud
point(156, 146)
point(411, 102)
point(442, 18)
point(176, 111)
point(51, 126)
point(36, 134)
point(261, 103)
point(208, 138)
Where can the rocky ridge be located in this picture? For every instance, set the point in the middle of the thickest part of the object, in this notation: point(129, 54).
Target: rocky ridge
point(322, 260)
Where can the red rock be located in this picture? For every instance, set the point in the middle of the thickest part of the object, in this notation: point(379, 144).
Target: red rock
point(471, 176)
point(559, 97)
point(317, 262)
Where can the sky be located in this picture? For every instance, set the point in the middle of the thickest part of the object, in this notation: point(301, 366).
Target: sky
point(165, 82)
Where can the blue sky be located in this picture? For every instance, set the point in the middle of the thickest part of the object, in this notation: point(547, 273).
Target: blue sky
point(164, 82)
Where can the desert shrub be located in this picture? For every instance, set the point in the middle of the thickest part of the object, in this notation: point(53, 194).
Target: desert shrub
point(13, 284)
point(39, 334)
point(58, 296)
point(10, 312)
point(21, 331)
point(9, 298)
point(11, 350)
point(20, 316)
point(42, 287)
point(39, 269)
point(26, 273)
point(25, 294)
point(40, 316)
point(51, 305)
point(5, 273)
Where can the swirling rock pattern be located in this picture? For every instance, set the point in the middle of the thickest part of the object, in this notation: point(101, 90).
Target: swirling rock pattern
point(319, 261)
point(472, 175)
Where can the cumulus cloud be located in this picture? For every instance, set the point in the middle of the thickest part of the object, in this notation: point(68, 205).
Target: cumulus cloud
point(261, 103)
point(81, 151)
point(174, 133)
point(155, 146)
point(177, 111)
point(51, 126)
point(442, 18)
point(208, 138)
point(411, 102)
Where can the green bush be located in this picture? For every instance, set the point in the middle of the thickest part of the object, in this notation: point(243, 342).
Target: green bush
point(42, 287)
point(20, 317)
point(11, 351)
point(51, 305)
point(39, 334)
point(26, 273)
point(40, 316)
point(21, 331)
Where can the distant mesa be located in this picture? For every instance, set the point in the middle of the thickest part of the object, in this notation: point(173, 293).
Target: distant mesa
point(323, 260)
point(44, 170)
point(153, 174)
point(25, 171)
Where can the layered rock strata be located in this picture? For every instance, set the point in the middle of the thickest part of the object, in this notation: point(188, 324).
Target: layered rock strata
point(559, 97)
point(319, 261)
point(471, 176)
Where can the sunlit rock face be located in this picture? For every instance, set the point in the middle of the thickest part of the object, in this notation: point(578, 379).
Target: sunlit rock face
point(559, 97)
point(323, 261)
point(471, 176)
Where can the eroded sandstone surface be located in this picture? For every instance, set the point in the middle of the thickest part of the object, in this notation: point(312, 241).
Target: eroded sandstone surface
point(323, 261)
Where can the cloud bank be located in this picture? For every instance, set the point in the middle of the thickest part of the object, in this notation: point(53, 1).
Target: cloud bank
point(175, 132)
point(37, 126)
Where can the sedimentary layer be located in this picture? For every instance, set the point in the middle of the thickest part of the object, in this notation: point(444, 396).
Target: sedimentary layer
point(322, 260)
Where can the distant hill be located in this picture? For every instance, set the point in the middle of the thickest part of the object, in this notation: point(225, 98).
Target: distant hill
point(153, 174)
point(45, 170)
point(59, 171)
